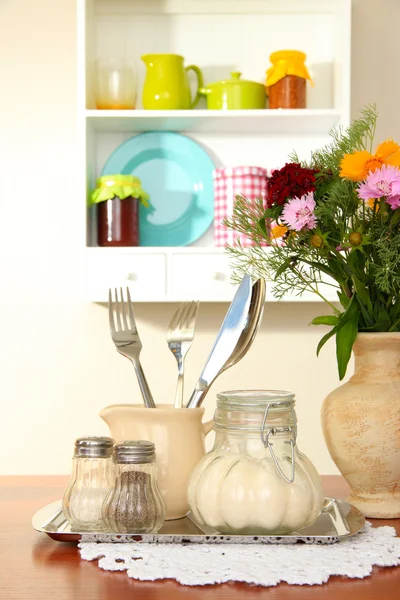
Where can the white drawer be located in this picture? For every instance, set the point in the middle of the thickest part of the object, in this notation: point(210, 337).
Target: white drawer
point(203, 276)
point(143, 273)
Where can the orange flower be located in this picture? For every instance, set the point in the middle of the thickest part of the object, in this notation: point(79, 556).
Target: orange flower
point(278, 231)
point(356, 166)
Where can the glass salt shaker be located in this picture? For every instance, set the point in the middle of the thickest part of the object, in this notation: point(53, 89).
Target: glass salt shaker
point(91, 480)
point(135, 504)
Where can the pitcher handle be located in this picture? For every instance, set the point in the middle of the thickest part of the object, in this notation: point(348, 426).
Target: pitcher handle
point(200, 83)
point(207, 426)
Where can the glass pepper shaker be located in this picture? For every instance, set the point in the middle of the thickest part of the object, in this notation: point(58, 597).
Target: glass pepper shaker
point(135, 504)
point(91, 480)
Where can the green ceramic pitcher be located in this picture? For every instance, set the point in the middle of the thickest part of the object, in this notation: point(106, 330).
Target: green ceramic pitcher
point(166, 86)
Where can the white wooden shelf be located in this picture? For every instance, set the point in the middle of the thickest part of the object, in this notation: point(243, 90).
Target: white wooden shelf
point(206, 7)
point(128, 29)
point(171, 274)
point(265, 121)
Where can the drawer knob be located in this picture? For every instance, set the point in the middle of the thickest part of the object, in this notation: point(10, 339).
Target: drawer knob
point(131, 277)
point(220, 276)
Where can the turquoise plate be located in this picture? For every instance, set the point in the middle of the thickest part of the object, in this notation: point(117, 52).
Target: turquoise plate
point(177, 174)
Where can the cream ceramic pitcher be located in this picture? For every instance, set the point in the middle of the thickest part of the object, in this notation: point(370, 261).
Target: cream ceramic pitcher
point(178, 434)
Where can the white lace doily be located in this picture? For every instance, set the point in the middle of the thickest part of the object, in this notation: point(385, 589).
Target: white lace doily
point(266, 565)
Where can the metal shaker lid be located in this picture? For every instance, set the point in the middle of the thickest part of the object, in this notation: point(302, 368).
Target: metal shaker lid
point(135, 451)
point(94, 447)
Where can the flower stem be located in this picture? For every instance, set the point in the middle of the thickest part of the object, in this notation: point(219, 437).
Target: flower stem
point(315, 290)
point(395, 325)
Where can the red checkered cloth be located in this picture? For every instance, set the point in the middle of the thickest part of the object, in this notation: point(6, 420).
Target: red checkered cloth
point(229, 182)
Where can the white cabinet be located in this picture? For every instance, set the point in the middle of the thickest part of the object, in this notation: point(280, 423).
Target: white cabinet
point(220, 36)
point(145, 273)
point(207, 275)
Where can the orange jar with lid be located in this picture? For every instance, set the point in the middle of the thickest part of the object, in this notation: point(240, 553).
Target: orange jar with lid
point(286, 79)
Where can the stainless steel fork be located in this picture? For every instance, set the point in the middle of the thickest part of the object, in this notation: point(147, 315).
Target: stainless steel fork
point(126, 338)
point(180, 335)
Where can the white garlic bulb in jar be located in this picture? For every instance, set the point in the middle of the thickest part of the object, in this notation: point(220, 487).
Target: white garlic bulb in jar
point(255, 481)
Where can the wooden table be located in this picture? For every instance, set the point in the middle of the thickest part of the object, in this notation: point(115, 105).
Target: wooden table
point(34, 567)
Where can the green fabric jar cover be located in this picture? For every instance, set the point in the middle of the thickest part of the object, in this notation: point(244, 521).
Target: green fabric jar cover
point(120, 186)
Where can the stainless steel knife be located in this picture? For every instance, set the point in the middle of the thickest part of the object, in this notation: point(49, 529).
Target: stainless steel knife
point(225, 343)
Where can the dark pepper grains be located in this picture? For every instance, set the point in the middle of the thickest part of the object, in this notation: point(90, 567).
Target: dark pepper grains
point(131, 507)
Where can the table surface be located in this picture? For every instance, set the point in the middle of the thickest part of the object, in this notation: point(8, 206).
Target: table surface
point(32, 566)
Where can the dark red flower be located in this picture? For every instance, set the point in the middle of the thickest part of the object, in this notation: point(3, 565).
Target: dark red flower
point(289, 182)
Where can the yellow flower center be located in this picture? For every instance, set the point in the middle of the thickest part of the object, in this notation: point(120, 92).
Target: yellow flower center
point(372, 165)
point(356, 238)
point(317, 241)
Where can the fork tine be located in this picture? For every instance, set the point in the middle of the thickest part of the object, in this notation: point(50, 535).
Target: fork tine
point(118, 310)
point(126, 327)
point(180, 335)
point(191, 316)
point(184, 315)
point(177, 317)
point(132, 322)
point(111, 311)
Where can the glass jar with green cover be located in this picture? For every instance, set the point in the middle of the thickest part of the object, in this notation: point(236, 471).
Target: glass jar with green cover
point(117, 199)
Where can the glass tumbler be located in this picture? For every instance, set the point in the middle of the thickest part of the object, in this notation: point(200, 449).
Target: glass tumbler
point(116, 85)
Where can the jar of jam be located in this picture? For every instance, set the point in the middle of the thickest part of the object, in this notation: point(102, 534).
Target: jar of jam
point(286, 79)
point(117, 199)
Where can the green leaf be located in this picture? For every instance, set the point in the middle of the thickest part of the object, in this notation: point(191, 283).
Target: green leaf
point(395, 218)
point(355, 262)
point(383, 319)
point(285, 265)
point(394, 310)
point(343, 299)
point(319, 267)
point(345, 338)
point(382, 322)
point(263, 225)
point(274, 212)
point(368, 319)
point(325, 320)
point(324, 339)
point(343, 319)
point(363, 294)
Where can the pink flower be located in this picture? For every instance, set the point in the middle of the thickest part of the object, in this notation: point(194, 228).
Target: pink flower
point(298, 213)
point(394, 201)
point(382, 183)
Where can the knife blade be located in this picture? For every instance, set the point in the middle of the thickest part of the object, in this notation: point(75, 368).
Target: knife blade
point(226, 340)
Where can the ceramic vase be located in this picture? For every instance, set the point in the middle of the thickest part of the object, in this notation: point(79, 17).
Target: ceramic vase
point(361, 425)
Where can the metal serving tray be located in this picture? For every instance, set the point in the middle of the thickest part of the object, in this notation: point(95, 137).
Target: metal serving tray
point(337, 520)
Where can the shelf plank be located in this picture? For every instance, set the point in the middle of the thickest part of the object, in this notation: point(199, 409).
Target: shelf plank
point(198, 7)
point(120, 267)
point(267, 121)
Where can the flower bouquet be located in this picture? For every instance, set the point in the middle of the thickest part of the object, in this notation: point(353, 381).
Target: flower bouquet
point(333, 220)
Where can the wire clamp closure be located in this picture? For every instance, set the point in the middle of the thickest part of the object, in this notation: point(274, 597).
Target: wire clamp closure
point(267, 432)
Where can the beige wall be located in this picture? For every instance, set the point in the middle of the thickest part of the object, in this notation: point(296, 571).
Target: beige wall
point(58, 367)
